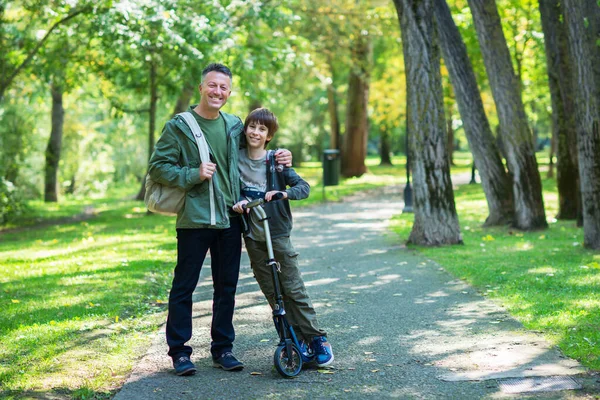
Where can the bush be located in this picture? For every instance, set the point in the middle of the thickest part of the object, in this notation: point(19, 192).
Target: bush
point(11, 203)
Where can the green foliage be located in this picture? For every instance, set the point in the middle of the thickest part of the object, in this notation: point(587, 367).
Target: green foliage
point(548, 281)
point(11, 202)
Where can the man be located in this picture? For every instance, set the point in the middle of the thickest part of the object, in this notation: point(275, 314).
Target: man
point(176, 162)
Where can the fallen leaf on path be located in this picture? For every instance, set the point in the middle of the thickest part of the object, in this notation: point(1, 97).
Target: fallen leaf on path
point(264, 340)
point(374, 370)
point(325, 371)
point(368, 352)
point(255, 373)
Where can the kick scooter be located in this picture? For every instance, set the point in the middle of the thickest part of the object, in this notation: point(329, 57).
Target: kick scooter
point(288, 358)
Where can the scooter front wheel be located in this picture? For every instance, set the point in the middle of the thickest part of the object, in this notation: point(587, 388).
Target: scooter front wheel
point(290, 365)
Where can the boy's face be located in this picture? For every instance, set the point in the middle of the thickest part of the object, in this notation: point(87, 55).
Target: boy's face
point(257, 135)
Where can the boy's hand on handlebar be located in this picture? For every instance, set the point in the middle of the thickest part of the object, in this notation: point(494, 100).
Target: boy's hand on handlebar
point(284, 157)
point(269, 195)
point(238, 207)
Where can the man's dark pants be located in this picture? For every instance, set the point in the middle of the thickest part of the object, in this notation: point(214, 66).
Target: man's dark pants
point(225, 247)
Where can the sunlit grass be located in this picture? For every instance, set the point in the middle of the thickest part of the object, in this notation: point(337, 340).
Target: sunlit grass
point(78, 299)
point(546, 279)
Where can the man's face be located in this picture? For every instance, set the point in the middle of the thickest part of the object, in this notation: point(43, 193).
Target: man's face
point(215, 90)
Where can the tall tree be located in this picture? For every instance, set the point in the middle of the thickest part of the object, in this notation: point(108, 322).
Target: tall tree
point(436, 221)
point(583, 23)
point(54, 143)
point(514, 127)
point(494, 178)
point(562, 90)
point(357, 129)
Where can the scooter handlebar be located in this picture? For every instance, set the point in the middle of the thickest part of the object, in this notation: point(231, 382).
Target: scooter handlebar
point(260, 202)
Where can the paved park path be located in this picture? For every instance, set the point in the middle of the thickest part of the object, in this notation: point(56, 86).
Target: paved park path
point(400, 325)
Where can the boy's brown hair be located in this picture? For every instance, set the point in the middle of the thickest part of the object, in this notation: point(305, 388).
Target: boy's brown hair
point(265, 117)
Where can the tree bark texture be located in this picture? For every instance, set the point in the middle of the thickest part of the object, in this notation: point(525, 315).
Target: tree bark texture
point(54, 144)
point(494, 178)
point(357, 131)
point(583, 24)
point(563, 124)
point(151, 122)
point(435, 221)
point(514, 128)
point(184, 99)
point(385, 148)
point(334, 120)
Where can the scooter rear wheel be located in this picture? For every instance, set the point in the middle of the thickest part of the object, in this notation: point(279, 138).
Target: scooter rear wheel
point(288, 366)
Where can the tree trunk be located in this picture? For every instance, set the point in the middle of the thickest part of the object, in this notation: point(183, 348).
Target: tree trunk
point(332, 106)
point(516, 135)
point(334, 120)
point(583, 25)
point(435, 221)
point(184, 99)
point(385, 148)
point(151, 122)
point(563, 124)
point(357, 130)
point(54, 144)
point(494, 178)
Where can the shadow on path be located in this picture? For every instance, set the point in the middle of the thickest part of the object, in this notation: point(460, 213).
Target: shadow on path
point(400, 325)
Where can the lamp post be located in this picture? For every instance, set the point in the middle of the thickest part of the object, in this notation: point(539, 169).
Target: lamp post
point(408, 208)
point(473, 180)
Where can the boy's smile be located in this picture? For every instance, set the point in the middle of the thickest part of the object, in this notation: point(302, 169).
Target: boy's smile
point(257, 135)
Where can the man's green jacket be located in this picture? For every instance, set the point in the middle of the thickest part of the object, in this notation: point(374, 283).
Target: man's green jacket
point(176, 161)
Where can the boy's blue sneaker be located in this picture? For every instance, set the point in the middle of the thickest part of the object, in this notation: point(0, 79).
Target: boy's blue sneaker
point(322, 351)
point(306, 353)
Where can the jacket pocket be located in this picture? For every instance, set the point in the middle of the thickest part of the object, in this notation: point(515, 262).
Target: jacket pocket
point(199, 189)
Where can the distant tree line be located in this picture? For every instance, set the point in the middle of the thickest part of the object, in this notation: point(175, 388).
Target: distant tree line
point(84, 86)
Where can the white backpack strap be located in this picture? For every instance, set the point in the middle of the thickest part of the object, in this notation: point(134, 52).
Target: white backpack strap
point(204, 157)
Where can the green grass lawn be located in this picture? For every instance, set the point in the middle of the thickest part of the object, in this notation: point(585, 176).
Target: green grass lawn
point(546, 279)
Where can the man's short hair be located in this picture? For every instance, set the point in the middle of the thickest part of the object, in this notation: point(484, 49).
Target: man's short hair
point(265, 117)
point(216, 67)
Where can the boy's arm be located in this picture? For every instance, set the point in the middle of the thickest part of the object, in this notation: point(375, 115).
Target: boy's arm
point(298, 188)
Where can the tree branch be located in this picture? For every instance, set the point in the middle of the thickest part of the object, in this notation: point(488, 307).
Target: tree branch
point(4, 84)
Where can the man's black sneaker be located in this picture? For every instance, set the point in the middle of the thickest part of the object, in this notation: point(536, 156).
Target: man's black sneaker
point(184, 366)
point(228, 362)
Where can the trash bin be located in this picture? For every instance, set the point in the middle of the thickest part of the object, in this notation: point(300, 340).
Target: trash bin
point(331, 167)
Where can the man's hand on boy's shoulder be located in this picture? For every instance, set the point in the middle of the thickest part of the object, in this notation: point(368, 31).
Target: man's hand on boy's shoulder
point(284, 157)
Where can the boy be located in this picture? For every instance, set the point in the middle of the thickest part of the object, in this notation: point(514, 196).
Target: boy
point(261, 179)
